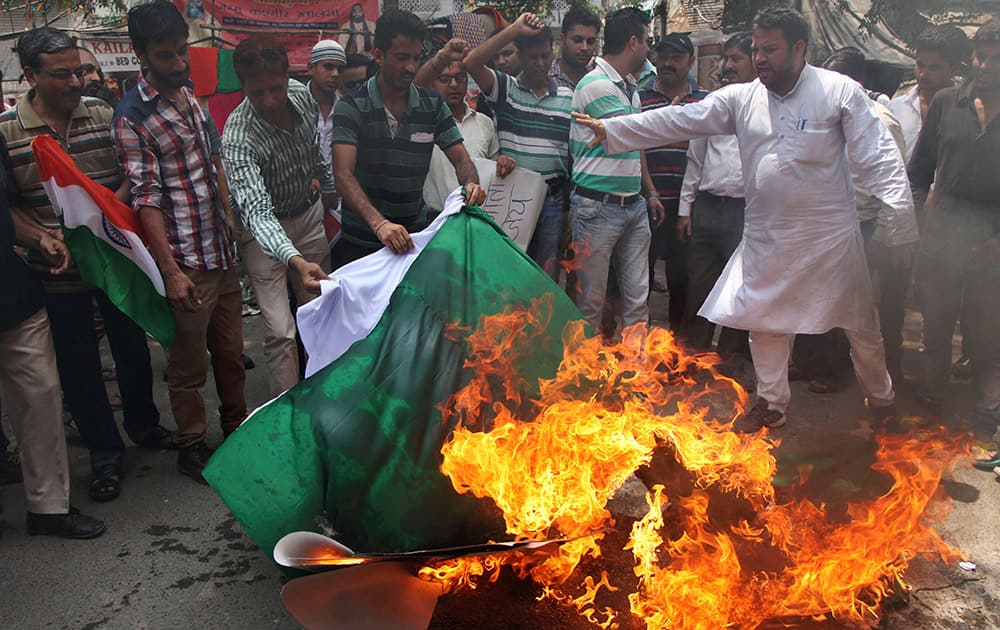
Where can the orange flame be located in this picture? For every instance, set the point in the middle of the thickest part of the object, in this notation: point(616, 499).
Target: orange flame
point(733, 557)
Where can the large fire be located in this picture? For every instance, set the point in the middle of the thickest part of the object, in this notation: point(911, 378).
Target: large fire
point(725, 553)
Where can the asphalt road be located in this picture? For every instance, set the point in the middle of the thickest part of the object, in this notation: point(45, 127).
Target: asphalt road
point(173, 557)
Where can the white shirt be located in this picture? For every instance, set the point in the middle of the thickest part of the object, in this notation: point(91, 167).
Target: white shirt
point(324, 128)
point(800, 267)
point(869, 206)
point(906, 108)
point(713, 166)
point(480, 137)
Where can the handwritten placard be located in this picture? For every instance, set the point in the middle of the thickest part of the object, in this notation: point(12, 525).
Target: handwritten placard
point(515, 201)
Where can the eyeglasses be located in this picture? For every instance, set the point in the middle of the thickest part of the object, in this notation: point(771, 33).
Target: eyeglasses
point(446, 79)
point(63, 75)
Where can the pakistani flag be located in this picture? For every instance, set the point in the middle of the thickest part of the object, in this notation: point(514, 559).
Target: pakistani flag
point(105, 239)
point(355, 448)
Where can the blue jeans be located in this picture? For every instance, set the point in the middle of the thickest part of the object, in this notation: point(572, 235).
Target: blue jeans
point(544, 246)
point(604, 234)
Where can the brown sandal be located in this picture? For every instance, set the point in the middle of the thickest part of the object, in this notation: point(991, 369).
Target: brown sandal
point(159, 437)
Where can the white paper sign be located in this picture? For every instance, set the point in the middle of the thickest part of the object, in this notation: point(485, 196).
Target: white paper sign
point(513, 202)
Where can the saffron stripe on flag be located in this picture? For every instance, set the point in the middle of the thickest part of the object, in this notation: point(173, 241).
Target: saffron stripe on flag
point(80, 211)
point(105, 239)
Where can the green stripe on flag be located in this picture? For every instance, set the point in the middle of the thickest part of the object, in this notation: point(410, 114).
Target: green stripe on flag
point(356, 448)
point(228, 81)
point(125, 284)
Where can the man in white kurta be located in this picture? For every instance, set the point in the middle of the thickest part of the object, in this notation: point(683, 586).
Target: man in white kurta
point(800, 267)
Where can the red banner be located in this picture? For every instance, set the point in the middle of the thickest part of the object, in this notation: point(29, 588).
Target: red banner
point(298, 24)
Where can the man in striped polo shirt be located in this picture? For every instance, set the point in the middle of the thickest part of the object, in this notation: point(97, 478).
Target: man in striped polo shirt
point(674, 56)
point(533, 117)
point(271, 156)
point(29, 380)
point(82, 126)
point(384, 132)
point(608, 210)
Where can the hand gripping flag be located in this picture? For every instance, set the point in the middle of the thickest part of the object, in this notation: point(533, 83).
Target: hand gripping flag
point(355, 448)
point(105, 239)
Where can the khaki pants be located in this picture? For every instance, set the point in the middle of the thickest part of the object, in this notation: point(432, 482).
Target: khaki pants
point(29, 382)
point(270, 279)
point(215, 327)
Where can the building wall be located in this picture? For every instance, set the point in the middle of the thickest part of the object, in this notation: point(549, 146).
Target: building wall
point(14, 21)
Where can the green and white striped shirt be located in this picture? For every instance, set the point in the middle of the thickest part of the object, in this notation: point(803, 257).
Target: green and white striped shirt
point(270, 171)
point(603, 93)
point(533, 130)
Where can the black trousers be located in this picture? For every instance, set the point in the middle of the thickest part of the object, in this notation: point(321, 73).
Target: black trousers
point(716, 231)
point(665, 245)
point(79, 361)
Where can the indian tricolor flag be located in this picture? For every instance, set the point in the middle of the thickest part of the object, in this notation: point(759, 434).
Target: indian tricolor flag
point(105, 238)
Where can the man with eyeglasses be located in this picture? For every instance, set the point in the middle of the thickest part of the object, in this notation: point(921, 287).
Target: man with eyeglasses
point(91, 67)
point(93, 81)
point(359, 68)
point(29, 382)
point(477, 129)
point(54, 106)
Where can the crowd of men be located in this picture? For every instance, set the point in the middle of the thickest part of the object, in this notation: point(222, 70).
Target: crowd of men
point(777, 203)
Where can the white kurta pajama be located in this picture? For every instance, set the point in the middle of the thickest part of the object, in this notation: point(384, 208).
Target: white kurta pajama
point(801, 265)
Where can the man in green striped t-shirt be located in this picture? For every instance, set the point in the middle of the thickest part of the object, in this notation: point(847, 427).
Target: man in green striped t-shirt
point(533, 117)
point(607, 206)
point(384, 133)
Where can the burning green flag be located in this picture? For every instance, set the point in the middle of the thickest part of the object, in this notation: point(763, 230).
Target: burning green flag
point(355, 449)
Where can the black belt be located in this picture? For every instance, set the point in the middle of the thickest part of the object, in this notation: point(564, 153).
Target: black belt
point(603, 197)
point(719, 197)
point(313, 198)
point(556, 185)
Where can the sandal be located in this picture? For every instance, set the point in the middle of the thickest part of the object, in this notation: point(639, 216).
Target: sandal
point(987, 461)
point(106, 484)
point(159, 437)
point(796, 373)
point(823, 386)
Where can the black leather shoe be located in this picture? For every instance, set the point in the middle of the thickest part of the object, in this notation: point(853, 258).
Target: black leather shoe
point(191, 461)
point(885, 416)
point(10, 469)
point(70, 525)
